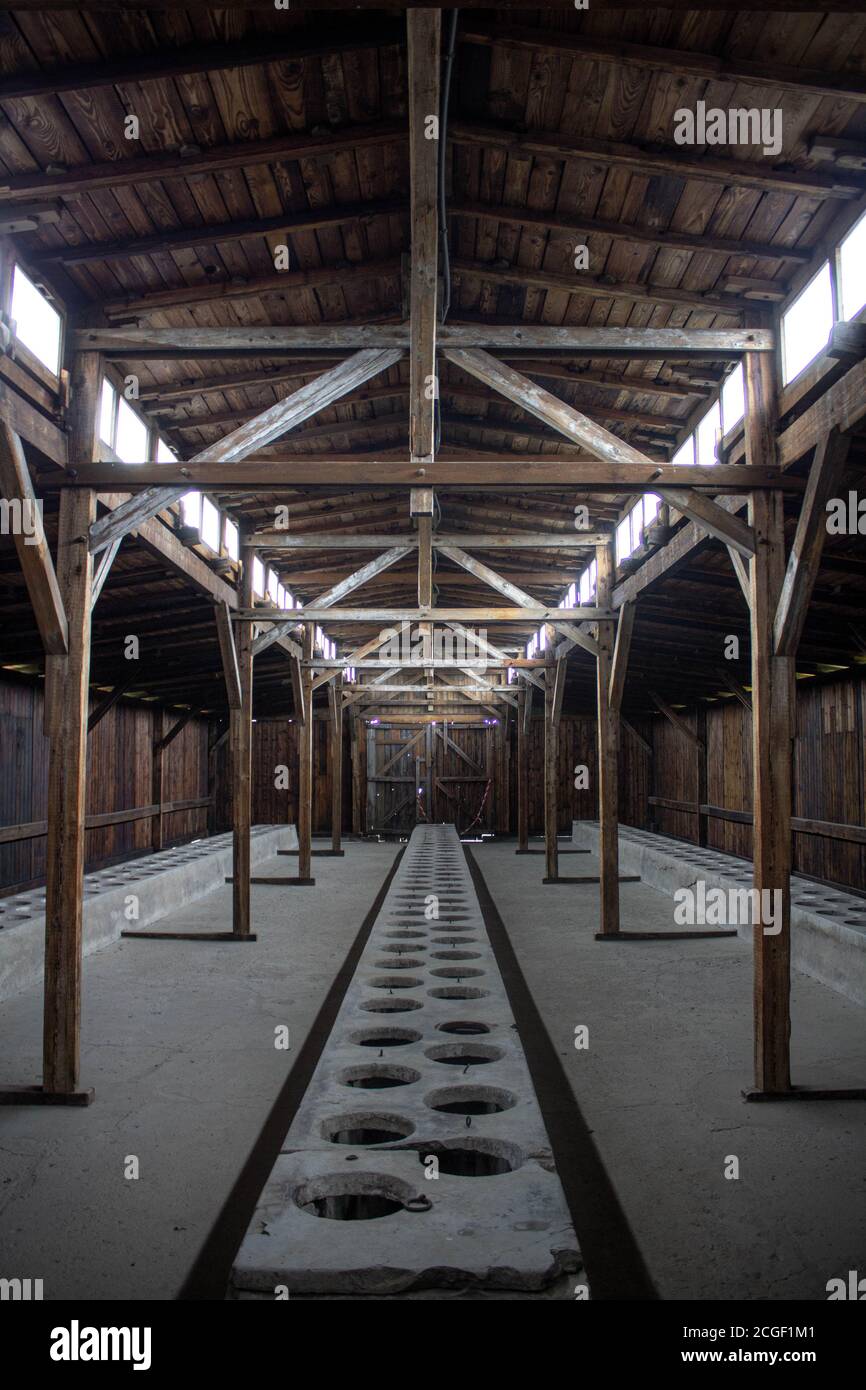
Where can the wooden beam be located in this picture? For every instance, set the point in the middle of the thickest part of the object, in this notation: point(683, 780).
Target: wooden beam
point(741, 569)
point(228, 653)
point(670, 160)
point(305, 768)
point(773, 698)
point(517, 540)
point(483, 645)
point(330, 596)
point(619, 661)
point(523, 725)
point(425, 561)
point(825, 476)
point(559, 675)
point(67, 774)
point(678, 62)
point(241, 743)
point(162, 63)
point(103, 569)
point(34, 555)
point(423, 27)
point(608, 754)
point(336, 751)
point(352, 657)
point(671, 715)
point(288, 282)
point(590, 341)
point(469, 473)
point(299, 690)
point(157, 779)
point(551, 764)
point(106, 703)
point(267, 426)
point(539, 613)
point(214, 233)
point(730, 529)
point(504, 586)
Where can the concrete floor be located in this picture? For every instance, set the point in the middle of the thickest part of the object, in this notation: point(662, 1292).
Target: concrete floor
point(178, 1040)
point(670, 1048)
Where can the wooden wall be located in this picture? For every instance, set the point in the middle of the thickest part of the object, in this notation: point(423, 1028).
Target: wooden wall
point(275, 745)
point(118, 779)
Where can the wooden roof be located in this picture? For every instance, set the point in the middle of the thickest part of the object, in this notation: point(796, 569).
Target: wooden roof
point(260, 128)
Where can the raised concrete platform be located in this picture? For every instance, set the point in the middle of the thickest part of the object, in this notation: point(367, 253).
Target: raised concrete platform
point(418, 1158)
point(162, 883)
point(828, 925)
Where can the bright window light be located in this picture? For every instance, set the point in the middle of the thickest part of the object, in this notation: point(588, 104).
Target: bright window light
point(210, 524)
point(106, 412)
point(635, 516)
point(290, 599)
point(593, 577)
point(163, 453)
point(131, 441)
point(584, 590)
point(685, 454)
point(273, 585)
point(806, 325)
point(37, 323)
point(706, 435)
point(623, 540)
point(542, 639)
point(651, 504)
point(733, 399)
point(190, 506)
point(852, 270)
point(232, 545)
point(281, 596)
point(258, 577)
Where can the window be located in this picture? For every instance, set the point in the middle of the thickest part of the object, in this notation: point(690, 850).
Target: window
point(258, 577)
point(273, 586)
point(806, 325)
point(131, 436)
point(163, 453)
point(210, 524)
point(651, 504)
point(623, 540)
point(685, 454)
point(852, 270)
point(706, 436)
point(232, 540)
point(636, 519)
point(107, 407)
point(190, 509)
point(37, 323)
point(733, 399)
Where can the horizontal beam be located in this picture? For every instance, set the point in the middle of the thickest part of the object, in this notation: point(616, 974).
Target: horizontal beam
point(324, 540)
point(655, 159)
point(213, 233)
point(593, 341)
point(751, 72)
point(163, 63)
point(535, 615)
point(322, 470)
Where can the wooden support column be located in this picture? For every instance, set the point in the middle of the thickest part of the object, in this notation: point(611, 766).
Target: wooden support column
point(335, 701)
point(702, 792)
point(524, 717)
point(241, 744)
point(157, 778)
point(772, 735)
point(357, 780)
point(608, 751)
point(551, 769)
point(305, 766)
point(67, 771)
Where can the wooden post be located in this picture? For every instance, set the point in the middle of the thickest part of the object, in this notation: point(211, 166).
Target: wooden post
point(357, 784)
point(608, 749)
point(551, 769)
point(305, 766)
point(67, 769)
point(241, 742)
point(335, 700)
point(157, 779)
point(772, 736)
point(523, 726)
point(702, 792)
